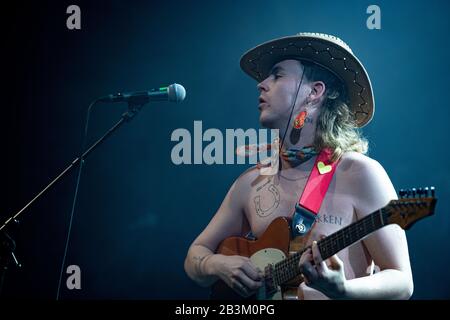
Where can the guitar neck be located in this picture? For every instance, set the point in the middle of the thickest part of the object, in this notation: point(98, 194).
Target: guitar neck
point(287, 269)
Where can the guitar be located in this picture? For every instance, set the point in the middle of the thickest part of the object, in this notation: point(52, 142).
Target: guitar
point(279, 255)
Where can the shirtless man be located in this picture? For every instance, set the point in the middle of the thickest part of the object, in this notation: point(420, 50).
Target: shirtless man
point(318, 74)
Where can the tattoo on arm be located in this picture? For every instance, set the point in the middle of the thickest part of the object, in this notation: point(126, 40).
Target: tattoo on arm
point(198, 260)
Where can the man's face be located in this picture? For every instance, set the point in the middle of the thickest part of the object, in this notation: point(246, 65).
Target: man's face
point(278, 93)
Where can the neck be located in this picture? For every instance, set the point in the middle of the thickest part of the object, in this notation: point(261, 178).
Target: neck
point(303, 139)
point(291, 172)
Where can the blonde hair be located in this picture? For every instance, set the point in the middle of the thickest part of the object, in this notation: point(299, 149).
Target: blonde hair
point(336, 128)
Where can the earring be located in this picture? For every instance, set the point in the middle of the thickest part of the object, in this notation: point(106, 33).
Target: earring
point(300, 120)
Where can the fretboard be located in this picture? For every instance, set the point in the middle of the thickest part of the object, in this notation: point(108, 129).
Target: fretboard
point(287, 269)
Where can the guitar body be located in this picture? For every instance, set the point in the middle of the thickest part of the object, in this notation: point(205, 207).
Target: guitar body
point(270, 248)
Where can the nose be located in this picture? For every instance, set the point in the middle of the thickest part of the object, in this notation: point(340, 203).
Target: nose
point(263, 86)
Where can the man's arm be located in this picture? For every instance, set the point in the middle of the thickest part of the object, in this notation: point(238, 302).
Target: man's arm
point(226, 222)
point(387, 246)
point(205, 267)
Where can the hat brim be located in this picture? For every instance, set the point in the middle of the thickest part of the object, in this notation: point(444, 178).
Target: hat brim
point(329, 54)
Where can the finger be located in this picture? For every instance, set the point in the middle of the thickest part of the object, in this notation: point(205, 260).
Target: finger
point(322, 268)
point(242, 278)
point(320, 264)
point(305, 279)
point(306, 256)
point(260, 272)
point(251, 271)
point(308, 271)
point(335, 263)
point(316, 253)
point(249, 284)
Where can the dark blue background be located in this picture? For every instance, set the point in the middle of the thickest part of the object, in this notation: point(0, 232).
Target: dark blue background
point(137, 212)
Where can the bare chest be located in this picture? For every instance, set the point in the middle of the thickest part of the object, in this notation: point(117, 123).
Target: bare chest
point(275, 197)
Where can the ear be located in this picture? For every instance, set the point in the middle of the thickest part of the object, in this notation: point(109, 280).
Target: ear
point(317, 91)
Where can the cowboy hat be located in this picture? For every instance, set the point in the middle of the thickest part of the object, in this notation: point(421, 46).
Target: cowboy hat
point(327, 51)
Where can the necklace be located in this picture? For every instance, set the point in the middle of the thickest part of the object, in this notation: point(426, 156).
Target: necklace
point(293, 179)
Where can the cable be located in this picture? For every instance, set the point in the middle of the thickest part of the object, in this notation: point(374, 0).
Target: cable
point(75, 196)
point(292, 110)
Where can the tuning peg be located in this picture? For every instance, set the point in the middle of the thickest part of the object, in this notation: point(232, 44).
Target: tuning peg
point(402, 193)
point(408, 193)
point(425, 191)
point(420, 192)
point(413, 192)
point(432, 192)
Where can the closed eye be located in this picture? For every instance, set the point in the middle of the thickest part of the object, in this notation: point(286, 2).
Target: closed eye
point(276, 75)
point(276, 72)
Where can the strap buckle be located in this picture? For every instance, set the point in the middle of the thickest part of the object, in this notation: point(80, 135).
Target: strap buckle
point(302, 221)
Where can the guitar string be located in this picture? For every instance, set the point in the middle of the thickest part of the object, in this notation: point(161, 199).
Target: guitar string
point(352, 231)
point(368, 225)
point(330, 241)
point(288, 268)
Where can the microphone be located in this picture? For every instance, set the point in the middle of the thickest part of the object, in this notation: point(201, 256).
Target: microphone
point(174, 93)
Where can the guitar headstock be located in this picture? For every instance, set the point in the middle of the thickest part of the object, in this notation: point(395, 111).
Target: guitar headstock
point(413, 205)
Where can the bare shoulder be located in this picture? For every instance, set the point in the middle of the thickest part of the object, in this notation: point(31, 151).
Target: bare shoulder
point(356, 162)
point(248, 179)
point(229, 218)
point(367, 181)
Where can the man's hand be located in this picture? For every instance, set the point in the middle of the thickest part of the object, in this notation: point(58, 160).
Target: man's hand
point(237, 272)
point(329, 279)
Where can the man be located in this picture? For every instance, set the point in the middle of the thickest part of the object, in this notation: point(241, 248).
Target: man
point(317, 93)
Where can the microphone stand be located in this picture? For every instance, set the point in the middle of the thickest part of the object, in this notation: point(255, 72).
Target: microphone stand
point(7, 244)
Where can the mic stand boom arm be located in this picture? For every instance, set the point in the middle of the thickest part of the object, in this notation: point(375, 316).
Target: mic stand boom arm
point(127, 116)
point(7, 247)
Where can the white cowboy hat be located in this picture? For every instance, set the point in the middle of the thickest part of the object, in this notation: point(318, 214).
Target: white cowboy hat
point(325, 50)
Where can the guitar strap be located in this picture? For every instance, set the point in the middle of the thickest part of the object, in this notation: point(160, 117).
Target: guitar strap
point(316, 187)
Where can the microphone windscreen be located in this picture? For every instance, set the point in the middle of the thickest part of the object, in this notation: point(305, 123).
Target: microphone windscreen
point(176, 93)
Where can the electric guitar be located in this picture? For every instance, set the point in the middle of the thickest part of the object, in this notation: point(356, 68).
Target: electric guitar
point(278, 254)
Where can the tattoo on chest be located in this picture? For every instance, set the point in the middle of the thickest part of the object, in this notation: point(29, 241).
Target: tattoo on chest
point(265, 184)
point(329, 218)
point(271, 200)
